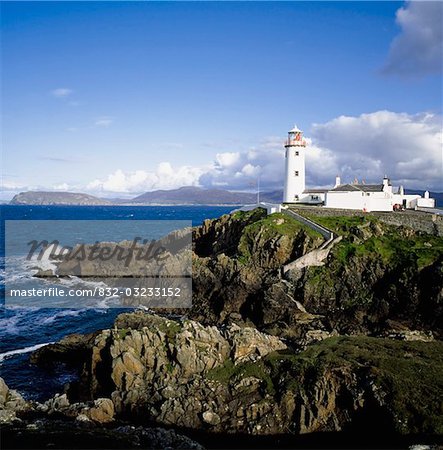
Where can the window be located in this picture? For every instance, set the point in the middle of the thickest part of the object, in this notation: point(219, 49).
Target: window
point(296, 197)
point(314, 197)
point(296, 173)
point(297, 153)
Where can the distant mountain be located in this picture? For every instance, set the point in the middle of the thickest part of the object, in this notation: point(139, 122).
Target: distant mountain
point(56, 198)
point(272, 196)
point(190, 195)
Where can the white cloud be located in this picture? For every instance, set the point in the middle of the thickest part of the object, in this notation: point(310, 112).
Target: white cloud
point(103, 121)
point(164, 177)
point(61, 187)
point(11, 186)
point(418, 49)
point(61, 92)
point(408, 148)
point(240, 170)
point(228, 159)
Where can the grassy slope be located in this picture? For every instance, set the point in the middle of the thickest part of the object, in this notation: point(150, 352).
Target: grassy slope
point(390, 247)
point(270, 227)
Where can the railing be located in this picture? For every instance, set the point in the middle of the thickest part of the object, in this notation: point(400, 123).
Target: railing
point(298, 143)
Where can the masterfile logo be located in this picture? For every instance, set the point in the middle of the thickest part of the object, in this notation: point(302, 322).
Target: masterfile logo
point(99, 263)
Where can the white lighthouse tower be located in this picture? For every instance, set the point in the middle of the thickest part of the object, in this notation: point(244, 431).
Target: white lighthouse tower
point(295, 166)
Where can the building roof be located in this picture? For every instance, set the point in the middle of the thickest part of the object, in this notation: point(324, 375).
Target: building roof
point(358, 187)
point(315, 191)
point(295, 129)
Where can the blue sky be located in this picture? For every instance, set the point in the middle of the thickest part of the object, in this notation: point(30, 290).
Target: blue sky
point(117, 98)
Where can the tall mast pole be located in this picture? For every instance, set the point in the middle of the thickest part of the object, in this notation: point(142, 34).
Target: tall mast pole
point(258, 189)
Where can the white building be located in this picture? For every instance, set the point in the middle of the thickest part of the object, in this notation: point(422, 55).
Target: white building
point(357, 196)
point(295, 166)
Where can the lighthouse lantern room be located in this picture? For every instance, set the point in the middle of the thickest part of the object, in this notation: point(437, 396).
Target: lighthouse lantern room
point(295, 166)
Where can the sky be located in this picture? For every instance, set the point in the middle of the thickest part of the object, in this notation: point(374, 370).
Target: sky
point(118, 98)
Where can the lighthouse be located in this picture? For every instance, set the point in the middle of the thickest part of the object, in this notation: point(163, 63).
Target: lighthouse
point(295, 166)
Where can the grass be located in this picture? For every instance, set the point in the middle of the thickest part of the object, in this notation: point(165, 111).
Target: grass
point(391, 247)
point(411, 373)
point(123, 332)
point(268, 228)
point(247, 216)
point(231, 373)
point(341, 224)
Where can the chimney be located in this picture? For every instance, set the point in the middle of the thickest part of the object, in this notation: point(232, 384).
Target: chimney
point(337, 181)
point(386, 184)
point(426, 194)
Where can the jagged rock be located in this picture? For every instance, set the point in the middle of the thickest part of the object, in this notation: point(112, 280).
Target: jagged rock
point(7, 416)
point(411, 335)
point(318, 335)
point(211, 418)
point(101, 412)
point(237, 378)
point(48, 273)
point(4, 391)
point(11, 403)
point(248, 344)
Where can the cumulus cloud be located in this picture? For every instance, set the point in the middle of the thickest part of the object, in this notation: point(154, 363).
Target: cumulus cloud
point(240, 170)
point(408, 148)
point(405, 147)
point(61, 92)
point(418, 49)
point(164, 177)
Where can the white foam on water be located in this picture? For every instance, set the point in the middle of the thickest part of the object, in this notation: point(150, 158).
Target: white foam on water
point(61, 314)
point(21, 351)
point(108, 302)
point(10, 325)
point(43, 263)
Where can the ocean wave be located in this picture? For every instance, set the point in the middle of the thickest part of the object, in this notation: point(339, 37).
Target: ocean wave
point(44, 263)
point(20, 351)
point(11, 323)
point(61, 314)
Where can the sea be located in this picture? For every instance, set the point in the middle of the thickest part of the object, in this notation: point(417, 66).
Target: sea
point(24, 329)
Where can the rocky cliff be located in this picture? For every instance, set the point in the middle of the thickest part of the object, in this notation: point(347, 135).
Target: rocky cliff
point(239, 380)
point(378, 279)
point(347, 346)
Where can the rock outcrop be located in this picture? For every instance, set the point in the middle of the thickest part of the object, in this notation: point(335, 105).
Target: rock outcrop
point(376, 274)
point(60, 424)
point(11, 403)
point(239, 380)
point(329, 348)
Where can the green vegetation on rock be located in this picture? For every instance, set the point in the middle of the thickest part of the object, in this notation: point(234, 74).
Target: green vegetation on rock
point(277, 226)
point(367, 236)
point(410, 374)
point(407, 376)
